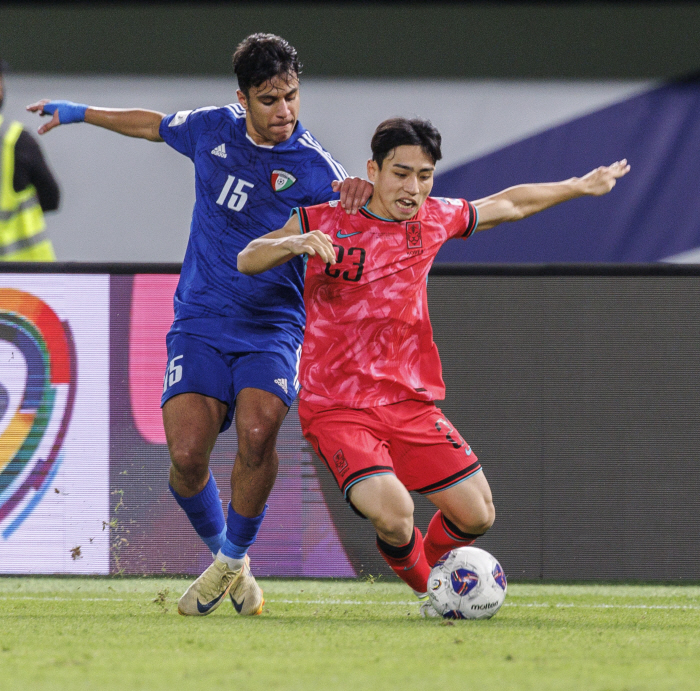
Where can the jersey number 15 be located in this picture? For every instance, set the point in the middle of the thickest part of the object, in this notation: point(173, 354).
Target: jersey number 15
point(238, 197)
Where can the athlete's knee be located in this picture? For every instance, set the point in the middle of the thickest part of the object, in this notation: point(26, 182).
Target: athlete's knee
point(394, 529)
point(485, 519)
point(191, 424)
point(475, 519)
point(256, 440)
point(394, 521)
point(189, 469)
point(188, 453)
point(191, 464)
point(387, 504)
point(257, 431)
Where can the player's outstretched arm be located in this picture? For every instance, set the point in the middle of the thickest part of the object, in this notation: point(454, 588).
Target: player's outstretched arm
point(282, 245)
point(144, 124)
point(522, 201)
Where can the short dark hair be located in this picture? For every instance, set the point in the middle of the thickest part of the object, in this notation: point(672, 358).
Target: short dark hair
point(401, 131)
point(261, 57)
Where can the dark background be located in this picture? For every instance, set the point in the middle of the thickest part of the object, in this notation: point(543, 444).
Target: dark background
point(579, 394)
point(583, 40)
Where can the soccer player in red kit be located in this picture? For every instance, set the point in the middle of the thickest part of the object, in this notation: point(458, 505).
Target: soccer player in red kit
point(370, 371)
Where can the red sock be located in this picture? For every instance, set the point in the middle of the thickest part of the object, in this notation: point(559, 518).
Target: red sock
point(408, 561)
point(442, 536)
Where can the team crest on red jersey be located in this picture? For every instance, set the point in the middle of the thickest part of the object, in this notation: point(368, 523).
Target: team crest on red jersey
point(340, 463)
point(414, 240)
point(281, 180)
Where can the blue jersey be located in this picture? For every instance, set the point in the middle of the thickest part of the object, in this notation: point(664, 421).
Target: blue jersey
point(243, 191)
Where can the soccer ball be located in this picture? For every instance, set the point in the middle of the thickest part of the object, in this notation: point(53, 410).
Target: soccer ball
point(467, 583)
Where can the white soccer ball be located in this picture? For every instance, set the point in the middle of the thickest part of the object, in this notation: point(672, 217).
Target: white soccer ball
point(467, 583)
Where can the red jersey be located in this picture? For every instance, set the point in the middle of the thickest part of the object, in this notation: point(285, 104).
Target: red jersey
point(368, 339)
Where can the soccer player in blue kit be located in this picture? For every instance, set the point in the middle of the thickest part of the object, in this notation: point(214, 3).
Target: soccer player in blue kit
point(236, 339)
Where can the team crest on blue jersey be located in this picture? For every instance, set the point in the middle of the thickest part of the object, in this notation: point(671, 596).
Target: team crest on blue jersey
point(414, 239)
point(281, 180)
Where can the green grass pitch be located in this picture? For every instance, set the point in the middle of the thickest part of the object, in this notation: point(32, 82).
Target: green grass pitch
point(103, 634)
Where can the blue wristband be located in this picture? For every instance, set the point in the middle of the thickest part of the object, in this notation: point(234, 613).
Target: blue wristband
point(67, 111)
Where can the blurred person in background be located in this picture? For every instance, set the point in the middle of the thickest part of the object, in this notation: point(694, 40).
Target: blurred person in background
point(27, 190)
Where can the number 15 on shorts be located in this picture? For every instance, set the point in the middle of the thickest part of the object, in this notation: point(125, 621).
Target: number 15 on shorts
point(173, 373)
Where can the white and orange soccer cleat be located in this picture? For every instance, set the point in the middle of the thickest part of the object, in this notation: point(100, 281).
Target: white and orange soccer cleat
point(245, 593)
point(210, 589)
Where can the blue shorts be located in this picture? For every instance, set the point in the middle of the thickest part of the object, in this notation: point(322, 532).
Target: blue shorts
point(197, 366)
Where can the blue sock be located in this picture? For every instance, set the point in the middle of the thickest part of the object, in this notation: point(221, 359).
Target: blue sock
point(240, 533)
point(205, 513)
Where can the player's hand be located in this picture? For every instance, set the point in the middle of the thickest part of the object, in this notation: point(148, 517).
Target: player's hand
point(62, 113)
point(354, 193)
point(602, 180)
point(315, 244)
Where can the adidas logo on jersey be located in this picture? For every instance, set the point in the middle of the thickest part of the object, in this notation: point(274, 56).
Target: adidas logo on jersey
point(219, 151)
point(282, 383)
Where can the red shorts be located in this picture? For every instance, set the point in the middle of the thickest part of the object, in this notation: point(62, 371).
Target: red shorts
point(412, 440)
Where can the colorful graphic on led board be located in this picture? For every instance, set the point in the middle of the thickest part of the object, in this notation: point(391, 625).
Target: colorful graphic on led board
point(37, 394)
point(54, 423)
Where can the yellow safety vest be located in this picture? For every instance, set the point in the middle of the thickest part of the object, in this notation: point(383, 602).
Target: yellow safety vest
point(22, 229)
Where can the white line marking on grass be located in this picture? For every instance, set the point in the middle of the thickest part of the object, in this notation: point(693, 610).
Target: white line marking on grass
point(342, 602)
point(399, 603)
point(66, 599)
point(291, 602)
point(569, 605)
point(560, 605)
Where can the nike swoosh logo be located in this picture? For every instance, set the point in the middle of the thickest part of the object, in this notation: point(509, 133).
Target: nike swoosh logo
point(408, 568)
point(203, 609)
point(236, 606)
point(349, 235)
